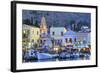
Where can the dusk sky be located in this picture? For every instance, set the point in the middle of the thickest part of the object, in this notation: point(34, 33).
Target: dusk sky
point(57, 18)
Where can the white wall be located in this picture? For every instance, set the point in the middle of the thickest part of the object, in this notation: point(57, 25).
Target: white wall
point(57, 32)
point(5, 36)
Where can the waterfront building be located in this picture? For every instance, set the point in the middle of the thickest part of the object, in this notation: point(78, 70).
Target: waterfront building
point(57, 33)
point(30, 35)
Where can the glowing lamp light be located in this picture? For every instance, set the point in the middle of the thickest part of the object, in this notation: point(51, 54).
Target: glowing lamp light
point(84, 49)
point(29, 45)
point(55, 49)
point(24, 32)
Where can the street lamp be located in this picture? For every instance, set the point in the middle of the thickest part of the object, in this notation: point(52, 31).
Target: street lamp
point(56, 49)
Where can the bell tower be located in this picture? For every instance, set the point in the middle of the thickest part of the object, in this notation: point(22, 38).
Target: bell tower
point(43, 25)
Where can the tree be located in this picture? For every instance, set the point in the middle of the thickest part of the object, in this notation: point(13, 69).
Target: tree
point(71, 23)
point(36, 23)
point(26, 21)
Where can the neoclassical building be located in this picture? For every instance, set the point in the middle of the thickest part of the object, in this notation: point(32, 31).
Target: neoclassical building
point(30, 34)
point(69, 38)
point(58, 36)
point(82, 39)
point(57, 33)
point(35, 35)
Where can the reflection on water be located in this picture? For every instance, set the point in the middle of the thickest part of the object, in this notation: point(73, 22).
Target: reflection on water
point(59, 59)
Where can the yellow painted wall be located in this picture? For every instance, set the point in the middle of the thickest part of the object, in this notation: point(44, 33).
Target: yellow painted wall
point(35, 34)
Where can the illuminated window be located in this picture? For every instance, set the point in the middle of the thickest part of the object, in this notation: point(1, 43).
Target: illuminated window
point(25, 33)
